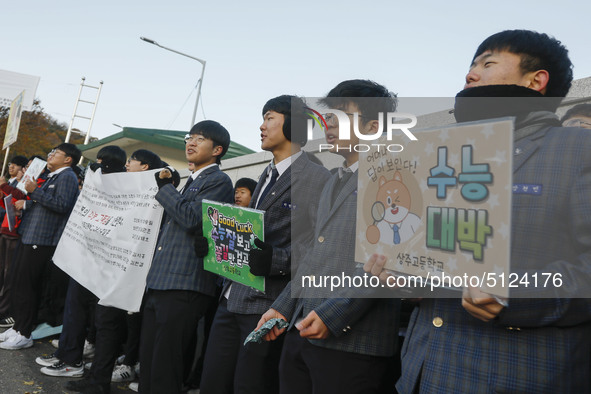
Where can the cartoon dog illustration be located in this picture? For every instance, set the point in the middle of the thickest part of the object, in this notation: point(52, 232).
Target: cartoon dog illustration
point(395, 223)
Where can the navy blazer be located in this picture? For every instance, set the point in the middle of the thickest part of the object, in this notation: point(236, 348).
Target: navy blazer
point(45, 219)
point(537, 345)
point(175, 265)
point(290, 204)
point(359, 325)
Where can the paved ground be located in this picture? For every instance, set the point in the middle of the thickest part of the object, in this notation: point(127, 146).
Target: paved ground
point(19, 373)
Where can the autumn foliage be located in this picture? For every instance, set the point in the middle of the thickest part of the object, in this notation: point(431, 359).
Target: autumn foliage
point(38, 133)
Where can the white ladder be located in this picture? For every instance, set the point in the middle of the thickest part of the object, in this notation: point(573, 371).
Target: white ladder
point(75, 115)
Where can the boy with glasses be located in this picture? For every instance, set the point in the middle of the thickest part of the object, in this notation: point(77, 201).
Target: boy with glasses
point(179, 290)
point(41, 228)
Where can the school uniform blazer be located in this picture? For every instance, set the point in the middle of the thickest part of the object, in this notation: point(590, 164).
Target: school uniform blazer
point(536, 345)
point(366, 326)
point(44, 220)
point(175, 265)
point(290, 204)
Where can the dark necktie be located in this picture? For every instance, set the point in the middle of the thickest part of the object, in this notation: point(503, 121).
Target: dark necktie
point(274, 176)
point(186, 186)
point(339, 185)
point(47, 182)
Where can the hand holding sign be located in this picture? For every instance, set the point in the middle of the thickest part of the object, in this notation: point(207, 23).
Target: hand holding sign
point(164, 177)
point(34, 169)
point(30, 186)
point(261, 259)
point(481, 305)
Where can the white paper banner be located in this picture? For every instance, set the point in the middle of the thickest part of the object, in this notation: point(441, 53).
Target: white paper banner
point(33, 171)
point(14, 120)
point(11, 84)
point(109, 240)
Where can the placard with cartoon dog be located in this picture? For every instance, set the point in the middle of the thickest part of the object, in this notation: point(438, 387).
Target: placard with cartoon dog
point(429, 208)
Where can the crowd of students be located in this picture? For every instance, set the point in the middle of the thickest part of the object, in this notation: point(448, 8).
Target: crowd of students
point(342, 343)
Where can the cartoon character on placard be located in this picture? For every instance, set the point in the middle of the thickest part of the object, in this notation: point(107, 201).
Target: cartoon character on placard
point(212, 214)
point(394, 223)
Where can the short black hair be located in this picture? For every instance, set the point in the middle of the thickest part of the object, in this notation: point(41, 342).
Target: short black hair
point(71, 151)
point(36, 157)
point(148, 157)
point(19, 160)
point(538, 51)
point(79, 172)
point(577, 110)
point(248, 183)
point(293, 110)
point(113, 159)
point(214, 131)
point(358, 91)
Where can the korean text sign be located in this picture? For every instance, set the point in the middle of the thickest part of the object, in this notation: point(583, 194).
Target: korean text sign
point(442, 205)
point(230, 231)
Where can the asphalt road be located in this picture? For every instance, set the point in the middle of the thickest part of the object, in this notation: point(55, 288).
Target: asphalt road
point(19, 373)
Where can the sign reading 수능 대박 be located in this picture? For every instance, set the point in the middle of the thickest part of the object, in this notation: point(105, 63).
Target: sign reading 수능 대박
point(442, 206)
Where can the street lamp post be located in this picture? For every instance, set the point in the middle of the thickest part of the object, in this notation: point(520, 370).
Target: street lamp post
point(203, 62)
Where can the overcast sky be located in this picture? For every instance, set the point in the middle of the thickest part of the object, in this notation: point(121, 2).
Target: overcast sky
point(255, 51)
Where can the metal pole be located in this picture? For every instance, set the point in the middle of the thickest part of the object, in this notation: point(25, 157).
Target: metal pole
point(203, 62)
point(5, 160)
point(87, 138)
point(198, 95)
point(74, 113)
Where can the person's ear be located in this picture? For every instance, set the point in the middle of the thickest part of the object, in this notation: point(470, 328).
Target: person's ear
point(217, 150)
point(538, 80)
point(372, 127)
point(144, 167)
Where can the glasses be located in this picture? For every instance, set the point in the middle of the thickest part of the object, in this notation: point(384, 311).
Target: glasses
point(55, 152)
point(330, 117)
point(577, 123)
point(197, 139)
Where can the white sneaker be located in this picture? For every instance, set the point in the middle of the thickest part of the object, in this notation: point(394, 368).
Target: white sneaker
point(17, 342)
point(134, 386)
point(88, 351)
point(55, 343)
point(7, 334)
point(47, 361)
point(123, 373)
point(60, 368)
point(136, 368)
